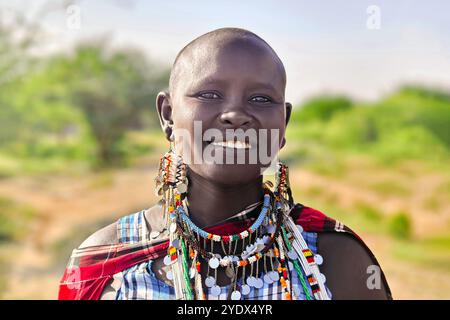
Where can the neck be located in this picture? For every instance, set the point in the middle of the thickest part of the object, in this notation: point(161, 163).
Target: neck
point(210, 203)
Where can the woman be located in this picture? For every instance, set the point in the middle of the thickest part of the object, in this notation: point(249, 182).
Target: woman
point(220, 231)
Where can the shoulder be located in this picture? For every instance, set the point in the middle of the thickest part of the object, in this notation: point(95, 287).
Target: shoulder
point(104, 236)
point(350, 267)
point(351, 270)
point(108, 235)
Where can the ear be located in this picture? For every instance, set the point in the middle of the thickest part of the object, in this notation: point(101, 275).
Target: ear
point(164, 109)
point(288, 117)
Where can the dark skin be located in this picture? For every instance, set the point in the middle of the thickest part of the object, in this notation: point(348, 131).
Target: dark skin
point(240, 84)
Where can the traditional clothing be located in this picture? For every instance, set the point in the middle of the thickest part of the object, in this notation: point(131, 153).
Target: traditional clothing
point(91, 269)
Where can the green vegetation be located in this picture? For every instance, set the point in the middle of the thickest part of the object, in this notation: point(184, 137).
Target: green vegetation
point(412, 123)
point(400, 225)
point(76, 111)
point(15, 220)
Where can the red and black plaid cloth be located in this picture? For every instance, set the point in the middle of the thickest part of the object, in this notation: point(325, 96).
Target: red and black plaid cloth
point(90, 269)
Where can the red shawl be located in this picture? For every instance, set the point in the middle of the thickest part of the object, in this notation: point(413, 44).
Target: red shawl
point(90, 269)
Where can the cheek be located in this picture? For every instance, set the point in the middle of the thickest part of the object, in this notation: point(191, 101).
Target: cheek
point(274, 120)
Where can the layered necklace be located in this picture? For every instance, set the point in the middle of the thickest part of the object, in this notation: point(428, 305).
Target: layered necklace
point(272, 237)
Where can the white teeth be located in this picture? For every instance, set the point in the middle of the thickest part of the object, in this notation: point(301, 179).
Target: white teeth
point(232, 144)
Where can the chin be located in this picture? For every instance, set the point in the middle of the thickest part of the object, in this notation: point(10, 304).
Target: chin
point(229, 174)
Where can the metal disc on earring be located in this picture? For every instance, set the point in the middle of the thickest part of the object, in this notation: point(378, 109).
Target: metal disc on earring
point(213, 263)
point(159, 191)
point(292, 255)
point(173, 227)
point(322, 276)
point(267, 279)
point(266, 239)
point(235, 295)
point(258, 283)
point(210, 281)
point(299, 227)
point(167, 261)
point(215, 291)
point(182, 187)
point(192, 272)
point(245, 289)
point(274, 276)
point(169, 275)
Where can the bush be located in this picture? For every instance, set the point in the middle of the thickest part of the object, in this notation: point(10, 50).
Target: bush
point(321, 108)
point(399, 225)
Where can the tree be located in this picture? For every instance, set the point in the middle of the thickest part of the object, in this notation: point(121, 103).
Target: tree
point(116, 90)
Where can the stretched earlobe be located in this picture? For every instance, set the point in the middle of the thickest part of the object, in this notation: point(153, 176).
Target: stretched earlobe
point(164, 109)
point(288, 107)
point(288, 112)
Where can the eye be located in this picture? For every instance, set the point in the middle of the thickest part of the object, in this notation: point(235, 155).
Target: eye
point(260, 99)
point(208, 95)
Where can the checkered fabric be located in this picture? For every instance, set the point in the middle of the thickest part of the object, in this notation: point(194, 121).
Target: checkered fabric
point(139, 282)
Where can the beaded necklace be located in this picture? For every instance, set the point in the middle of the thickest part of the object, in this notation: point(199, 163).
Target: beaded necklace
point(273, 237)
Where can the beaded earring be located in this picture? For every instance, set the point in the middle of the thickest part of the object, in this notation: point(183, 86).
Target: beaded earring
point(282, 186)
point(272, 237)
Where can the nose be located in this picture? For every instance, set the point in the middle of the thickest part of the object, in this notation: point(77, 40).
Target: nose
point(235, 119)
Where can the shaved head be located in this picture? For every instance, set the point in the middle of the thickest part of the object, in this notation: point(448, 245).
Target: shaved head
point(195, 53)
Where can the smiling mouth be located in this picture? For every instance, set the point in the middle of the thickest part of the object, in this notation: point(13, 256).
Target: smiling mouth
point(232, 144)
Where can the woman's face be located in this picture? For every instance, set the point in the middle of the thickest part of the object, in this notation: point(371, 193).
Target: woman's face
point(239, 86)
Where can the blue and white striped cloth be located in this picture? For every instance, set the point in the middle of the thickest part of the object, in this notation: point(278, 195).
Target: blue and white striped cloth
point(140, 282)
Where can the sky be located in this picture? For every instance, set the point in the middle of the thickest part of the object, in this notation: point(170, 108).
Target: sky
point(363, 49)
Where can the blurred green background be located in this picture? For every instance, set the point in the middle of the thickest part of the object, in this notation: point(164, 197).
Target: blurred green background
point(80, 141)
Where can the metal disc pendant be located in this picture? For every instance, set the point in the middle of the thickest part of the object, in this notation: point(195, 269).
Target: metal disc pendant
point(259, 283)
point(274, 276)
point(291, 265)
point(236, 295)
point(210, 281)
point(229, 272)
point(169, 275)
point(176, 243)
point(296, 290)
point(323, 278)
point(267, 279)
point(270, 228)
point(173, 227)
point(215, 291)
point(300, 228)
point(292, 255)
point(318, 258)
point(192, 273)
point(213, 263)
point(245, 289)
point(167, 261)
point(250, 281)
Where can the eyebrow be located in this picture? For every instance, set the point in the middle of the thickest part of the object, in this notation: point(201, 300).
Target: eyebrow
point(208, 80)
